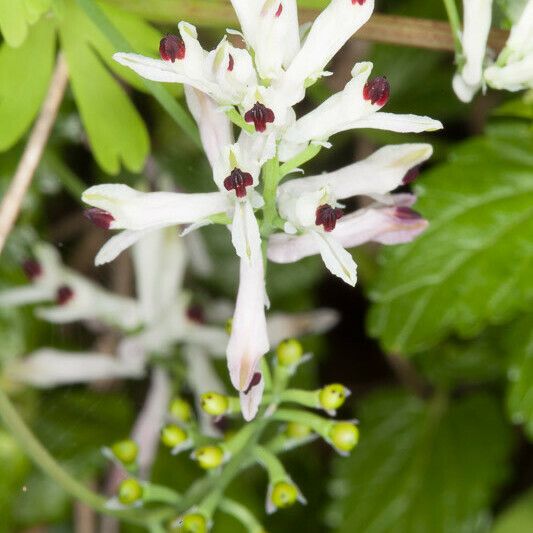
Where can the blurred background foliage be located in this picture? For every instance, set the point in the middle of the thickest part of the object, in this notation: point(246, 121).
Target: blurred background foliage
point(442, 373)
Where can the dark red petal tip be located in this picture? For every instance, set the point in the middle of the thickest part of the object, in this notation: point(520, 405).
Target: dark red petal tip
point(196, 314)
point(279, 11)
point(327, 216)
point(64, 294)
point(360, 2)
point(238, 181)
point(260, 116)
point(411, 175)
point(406, 213)
point(171, 47)
point(99, 217)
point(256, 379)
point(231, 63)
point(377, 91)
point(32, 269)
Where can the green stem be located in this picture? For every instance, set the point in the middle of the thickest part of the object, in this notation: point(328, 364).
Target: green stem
point(119, 42)
point(455, 23)
point(316, 423)
point(271, 177)
point(42, 458)
point(274, 467)
point(298, 160)
point(242, 514)
point(239, 121)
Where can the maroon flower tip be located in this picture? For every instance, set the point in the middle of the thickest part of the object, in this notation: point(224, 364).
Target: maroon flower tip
point(406, 213)
point(99, 217)
point(256, 379)
point(360, 2)
point(377, 91)
point(260, 116)
point(196, 314)
point(64, 294)
point(231, 63)
point(327, 216)
point(238, 181)
point(279, 11)
point(32, 269)
point(411, 175)
point(171, 48)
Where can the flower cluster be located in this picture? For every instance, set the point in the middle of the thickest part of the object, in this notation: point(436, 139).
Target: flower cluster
point(513, 68)
point(253, 80)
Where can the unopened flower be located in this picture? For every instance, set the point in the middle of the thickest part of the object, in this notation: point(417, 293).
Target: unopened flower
point(174, 437)
point(289, 352)
point(214, 404)
point(130, 492)
point(333, 396)
point(209, 457)
point(181, 409)
point(344, 436)
point(126, 451)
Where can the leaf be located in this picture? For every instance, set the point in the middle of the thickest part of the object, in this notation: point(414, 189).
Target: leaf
point(26, 73)
point(519, 343)
point(116, 131)
point(517, 518)
point(17, 15)
point(472, 267)
point(422, 467)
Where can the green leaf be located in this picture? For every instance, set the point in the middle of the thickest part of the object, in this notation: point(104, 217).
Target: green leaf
point(26, 73)
point(472, 267)
point(518, 518)
point(518, 341)
point(17, 15)
point(116, 131)
point(421, 467)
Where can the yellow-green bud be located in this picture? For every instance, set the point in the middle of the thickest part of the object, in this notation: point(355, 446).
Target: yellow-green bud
point(295, 430)
point(129, 491)
point(289, 352)
point(125, 451)
point(181, 409)
point(209, 457)
point(193, 523)
point(284, 494)
point(344, 436)
point(214, 403)
point(228, 325)
point(331, 397)
point(173, 435)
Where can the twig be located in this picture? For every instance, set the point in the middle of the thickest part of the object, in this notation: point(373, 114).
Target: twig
point(406, 31)
point(12, 200)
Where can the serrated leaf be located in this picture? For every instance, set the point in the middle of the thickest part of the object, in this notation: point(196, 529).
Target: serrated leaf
point(518, 517)
point(518, 341)
point(472, 267)
point(421, 466)
point(22, 88)
point(115, 129)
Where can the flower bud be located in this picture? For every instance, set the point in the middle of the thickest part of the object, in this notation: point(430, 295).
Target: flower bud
point(172, 435)
point(284, 494)
point(289, 352)
point(181, 409)
point(344, 436)
point(214, 403)
point(209, 457)
point(193, 523)
point(295, 430)
point(129, 491)
point(125, 451)
point(331, 397)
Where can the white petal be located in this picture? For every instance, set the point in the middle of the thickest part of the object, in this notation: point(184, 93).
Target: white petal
point(27, 294)
point(248, 340)
point(299, 207)
point(337, 260)
point(211, 338)
point(245, 234)
point(199, 258)
point(251, 400)
point(395, 122)
point(137, 210)
point(49, 368)
point(147, 429)
point(463, 90)
point(520, 41)
point(117, 244)
point(379, 173)
point(290, 325)
point(477, 15)
point(513, 77)
point(331, 29)
point(248, 13)
point(214, 126)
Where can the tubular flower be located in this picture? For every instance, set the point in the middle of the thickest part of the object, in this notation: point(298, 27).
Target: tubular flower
point(314, 224)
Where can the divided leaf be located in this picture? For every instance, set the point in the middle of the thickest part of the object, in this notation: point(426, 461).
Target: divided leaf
point(472, 267)
point(421, 466)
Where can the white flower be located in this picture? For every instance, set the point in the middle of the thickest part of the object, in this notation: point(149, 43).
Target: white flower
point(309, 205)
point(477, 16)
point(513, 70)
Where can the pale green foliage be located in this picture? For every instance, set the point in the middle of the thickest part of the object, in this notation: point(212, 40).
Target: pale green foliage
point(17, 15)
point(518, 517)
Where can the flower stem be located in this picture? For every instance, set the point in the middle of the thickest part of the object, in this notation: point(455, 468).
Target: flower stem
point(271, 178)
point(455, 23)
point(42, 458)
